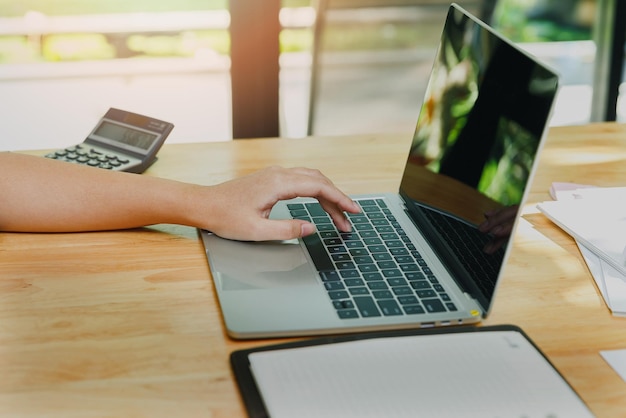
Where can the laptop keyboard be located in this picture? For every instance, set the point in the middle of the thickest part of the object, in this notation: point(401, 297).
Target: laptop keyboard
point(374, 270)
point(467, 243)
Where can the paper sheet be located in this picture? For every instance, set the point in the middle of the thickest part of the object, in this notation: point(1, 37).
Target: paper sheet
point(617, 360)
point(460, 374)
point(610, 282)
point(598, 225)
point(596, 219)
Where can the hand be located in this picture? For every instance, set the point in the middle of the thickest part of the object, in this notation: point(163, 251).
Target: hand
point(499, 224)
point(241, 207)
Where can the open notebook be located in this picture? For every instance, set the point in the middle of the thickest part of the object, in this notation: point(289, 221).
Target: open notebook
point(481, 372)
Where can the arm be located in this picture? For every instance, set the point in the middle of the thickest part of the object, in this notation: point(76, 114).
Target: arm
point(42, 195)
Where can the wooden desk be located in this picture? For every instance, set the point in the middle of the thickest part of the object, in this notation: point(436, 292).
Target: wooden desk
point(126, 323)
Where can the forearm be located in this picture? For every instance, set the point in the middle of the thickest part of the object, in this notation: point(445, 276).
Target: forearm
point(40, 195)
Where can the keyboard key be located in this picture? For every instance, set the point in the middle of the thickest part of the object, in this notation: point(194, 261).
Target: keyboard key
point(367, 202)
point(372, 241)
point(407, 300)
point(422, 294)
point(354, 282)
point(365, 259)
point(413, 309)
point(368, 268)
point(409, 267)
point(402, 291)
point(378, 285)
point(392, 273)
point(343, 304)
point(334, 286)
point(328, 276)
point(387, 265)
point(349, 236)
point(299, 213)
point(358, 252)
point(354, 291)
point(318, 253)
point(325, 227)
point(396, 281)
point(414, 276)
point(333, 250)
point(315, 209)
point(366, 306)
point(341, 257)
point(433, 305)
point(399, 251)
point(338, 294)
point(451, 306)
point(372, 276)
point(347, 314)
point(332, 241)
point(359, 219)
point(321, 220)
point(382, 294)
point(420, 285)
point(389, 236)
point(389, 307)
point(395, 244)
point(345, 265)
point(382, 256)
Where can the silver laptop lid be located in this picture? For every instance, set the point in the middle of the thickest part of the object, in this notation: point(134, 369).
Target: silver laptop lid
point(485, 112)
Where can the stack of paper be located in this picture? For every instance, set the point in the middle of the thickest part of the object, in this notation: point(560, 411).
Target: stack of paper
point(596, 218)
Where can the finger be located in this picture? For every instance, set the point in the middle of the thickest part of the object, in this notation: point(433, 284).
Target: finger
point(326, 192)
point(332, 200)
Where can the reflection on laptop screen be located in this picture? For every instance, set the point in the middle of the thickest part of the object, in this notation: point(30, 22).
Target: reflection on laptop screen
point(479, 129)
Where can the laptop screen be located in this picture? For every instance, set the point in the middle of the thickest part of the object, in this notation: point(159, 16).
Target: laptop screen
point(486, 108)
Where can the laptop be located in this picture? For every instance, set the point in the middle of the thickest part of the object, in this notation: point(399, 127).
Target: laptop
point(414, 258)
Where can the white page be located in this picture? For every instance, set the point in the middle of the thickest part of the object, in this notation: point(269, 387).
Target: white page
point(476, 374)
point(617, 360)
point(600, 225)
point(610, 281)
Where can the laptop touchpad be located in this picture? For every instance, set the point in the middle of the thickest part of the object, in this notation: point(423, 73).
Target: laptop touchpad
point(258, 265)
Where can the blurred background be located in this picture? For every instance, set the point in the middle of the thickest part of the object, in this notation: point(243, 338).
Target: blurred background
point(63, 63)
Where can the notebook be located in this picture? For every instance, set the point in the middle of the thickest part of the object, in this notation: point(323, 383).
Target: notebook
point(480, 127)
point(492, 371)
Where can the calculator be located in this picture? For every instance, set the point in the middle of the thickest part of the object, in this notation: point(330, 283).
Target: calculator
point(121, 141)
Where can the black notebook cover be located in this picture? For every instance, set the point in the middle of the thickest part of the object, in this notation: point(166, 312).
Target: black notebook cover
point(250, 392)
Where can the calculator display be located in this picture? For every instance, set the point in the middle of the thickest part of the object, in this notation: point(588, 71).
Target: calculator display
point(125, 135)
